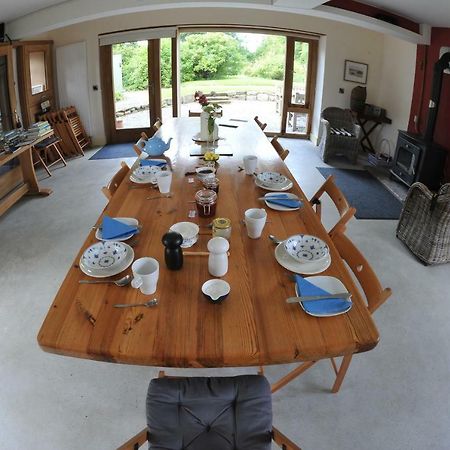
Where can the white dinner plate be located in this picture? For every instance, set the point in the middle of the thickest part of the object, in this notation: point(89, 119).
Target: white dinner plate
point(333, 286)
point(127, 221)
point(279, 207)
point(198, 138)
point(145, 174)
point(280, 188)
point(306, 268)
point(109, 269)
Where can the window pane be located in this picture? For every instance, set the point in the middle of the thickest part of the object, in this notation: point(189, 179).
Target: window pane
point(130, 81)
point(243, 72)
point(166, 79)
point(301, 52)
point(297, 123)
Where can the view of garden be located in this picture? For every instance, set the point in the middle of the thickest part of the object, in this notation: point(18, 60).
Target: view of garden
point(244, 71)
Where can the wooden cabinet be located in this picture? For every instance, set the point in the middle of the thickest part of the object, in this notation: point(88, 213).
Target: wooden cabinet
point(7, 94)
point(35, 78)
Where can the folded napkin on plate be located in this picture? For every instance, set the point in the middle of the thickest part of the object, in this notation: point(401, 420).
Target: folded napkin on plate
point(152, 162)
point(114, 229)
point(325, 306)
point(284, 201)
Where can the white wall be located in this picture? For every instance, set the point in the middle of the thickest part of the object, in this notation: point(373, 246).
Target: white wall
point(342, 42)
point(395, 90)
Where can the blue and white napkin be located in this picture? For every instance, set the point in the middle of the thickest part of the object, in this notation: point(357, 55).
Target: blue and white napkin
point(115, 229)
point(283, 200)
point(320, 307)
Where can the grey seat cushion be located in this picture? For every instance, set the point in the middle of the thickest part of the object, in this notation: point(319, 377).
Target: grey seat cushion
point(228, 413)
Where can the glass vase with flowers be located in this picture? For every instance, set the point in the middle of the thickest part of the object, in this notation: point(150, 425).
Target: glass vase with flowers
point(209, 130)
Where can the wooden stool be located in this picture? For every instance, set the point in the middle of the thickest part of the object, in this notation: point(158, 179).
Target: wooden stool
point(45, 148)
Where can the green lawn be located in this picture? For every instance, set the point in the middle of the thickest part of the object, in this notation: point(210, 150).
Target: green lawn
point(239, 83)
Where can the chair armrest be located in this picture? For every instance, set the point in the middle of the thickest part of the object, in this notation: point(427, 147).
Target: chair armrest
point(282, 441)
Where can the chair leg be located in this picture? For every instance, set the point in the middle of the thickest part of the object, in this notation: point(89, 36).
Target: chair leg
point(282, 441)
point(291, 375)
point(341, 373)
point(136, 441)
point(58, 151)
point(38, 154)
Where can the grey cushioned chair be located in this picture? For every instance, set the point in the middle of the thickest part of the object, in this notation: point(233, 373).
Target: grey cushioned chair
point(218, 413)
point(339, 134)
point(424, 224)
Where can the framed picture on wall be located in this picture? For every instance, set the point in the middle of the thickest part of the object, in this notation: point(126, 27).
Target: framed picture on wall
point(355, 72)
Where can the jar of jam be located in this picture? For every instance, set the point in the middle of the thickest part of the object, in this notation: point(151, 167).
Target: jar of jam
point(221, 227)
point(206, 201)
point(211, 183)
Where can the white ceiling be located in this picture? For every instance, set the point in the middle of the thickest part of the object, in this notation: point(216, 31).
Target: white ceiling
point(431, 12)
point(12, 9)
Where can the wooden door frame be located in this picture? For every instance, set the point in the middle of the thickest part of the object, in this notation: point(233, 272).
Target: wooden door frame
point(310, 90)
point(6, 50)
point(114, 135)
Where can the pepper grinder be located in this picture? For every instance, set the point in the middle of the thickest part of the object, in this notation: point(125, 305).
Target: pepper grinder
point(173, 254)
point(218, 258)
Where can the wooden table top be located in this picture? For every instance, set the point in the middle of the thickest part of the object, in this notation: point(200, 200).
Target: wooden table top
point(253, 326)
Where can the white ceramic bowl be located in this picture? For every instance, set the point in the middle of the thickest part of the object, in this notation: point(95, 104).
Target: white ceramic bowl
point(188, 230)
point(216, 290)
point(306, 248)
point(271, 179)
point(205, 172)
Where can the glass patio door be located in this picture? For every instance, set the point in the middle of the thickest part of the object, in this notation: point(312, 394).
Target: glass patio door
point(131, 84)
point(299, 88)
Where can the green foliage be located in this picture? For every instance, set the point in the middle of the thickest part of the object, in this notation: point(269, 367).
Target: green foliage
point(210, 56)
point(134, 65)
point(269, 59)
point(166, 62)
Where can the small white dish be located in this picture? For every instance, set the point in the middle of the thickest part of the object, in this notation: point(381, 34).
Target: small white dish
point(305, 268)
point(289, 196)
point(205, 172)
point(333, 286)
point(188, 230)
point(197, 138)
point(111, 263)
point(145, 174)
point(271, 179)
point(216, 290)
point(306, 248)
point(280, 188)
point(127, 221)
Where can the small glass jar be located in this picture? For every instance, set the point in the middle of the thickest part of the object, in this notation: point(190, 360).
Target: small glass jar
point(211, 183)
point(206, 201)
point(221, 227)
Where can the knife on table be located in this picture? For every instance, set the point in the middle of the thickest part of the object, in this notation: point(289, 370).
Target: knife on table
point(313, 298)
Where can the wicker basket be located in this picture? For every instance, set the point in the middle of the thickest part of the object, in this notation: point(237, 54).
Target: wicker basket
point(424, 224)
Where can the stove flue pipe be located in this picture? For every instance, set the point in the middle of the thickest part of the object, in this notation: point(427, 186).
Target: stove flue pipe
point(438, 73)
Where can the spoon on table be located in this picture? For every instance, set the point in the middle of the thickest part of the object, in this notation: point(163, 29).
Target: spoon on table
point(148, 304)
point(120, 282)
point(274, 239)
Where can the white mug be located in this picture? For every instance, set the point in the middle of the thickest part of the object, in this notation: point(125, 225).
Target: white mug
point(250, 163)
point(164, 180)
point(255, 219)
point(145, 275)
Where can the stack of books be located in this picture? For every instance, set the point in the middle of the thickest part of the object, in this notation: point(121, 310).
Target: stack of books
point(36, 130)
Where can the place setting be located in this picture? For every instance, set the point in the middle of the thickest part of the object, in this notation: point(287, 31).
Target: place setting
point(282, 202)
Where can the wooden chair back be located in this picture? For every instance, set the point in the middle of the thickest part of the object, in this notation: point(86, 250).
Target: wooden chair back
point(157, 125)
point(373, 290)
point(115, 181)
point(346, 212)
point(279, 148)
point(194, 113)
point(260, 124)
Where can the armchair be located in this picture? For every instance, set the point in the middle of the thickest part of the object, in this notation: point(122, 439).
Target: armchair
point(424, 224)
point(339, 134)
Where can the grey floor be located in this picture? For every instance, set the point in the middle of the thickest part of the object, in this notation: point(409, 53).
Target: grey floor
point(396, 396)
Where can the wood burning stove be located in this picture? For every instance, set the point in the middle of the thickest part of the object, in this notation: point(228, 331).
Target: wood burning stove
point(418, 158)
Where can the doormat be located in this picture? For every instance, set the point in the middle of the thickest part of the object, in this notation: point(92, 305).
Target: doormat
point(363, 191)
point(113, 151)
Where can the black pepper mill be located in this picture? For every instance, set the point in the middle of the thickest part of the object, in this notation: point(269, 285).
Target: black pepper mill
point(173, 253)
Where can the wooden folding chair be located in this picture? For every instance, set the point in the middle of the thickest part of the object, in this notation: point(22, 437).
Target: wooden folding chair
point(279, 148)
point(346, 212)
point(260, 124)
point(279, 438)
point(373, 291)
point(46, 148)
point(114, 184)
point(75, 127)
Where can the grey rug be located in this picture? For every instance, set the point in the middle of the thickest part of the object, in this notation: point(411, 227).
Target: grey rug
point(364, 192)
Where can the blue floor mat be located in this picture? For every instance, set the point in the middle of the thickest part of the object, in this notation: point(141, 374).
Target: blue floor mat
point(113, 151)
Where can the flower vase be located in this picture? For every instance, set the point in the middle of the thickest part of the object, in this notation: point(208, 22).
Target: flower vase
point(205, 135)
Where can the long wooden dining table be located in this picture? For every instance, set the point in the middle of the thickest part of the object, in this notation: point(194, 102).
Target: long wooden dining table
point(254, 325)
